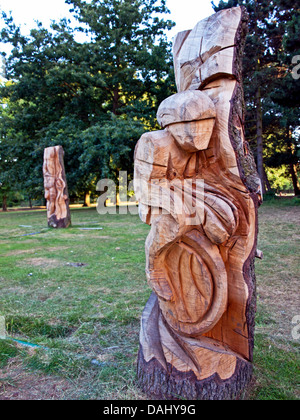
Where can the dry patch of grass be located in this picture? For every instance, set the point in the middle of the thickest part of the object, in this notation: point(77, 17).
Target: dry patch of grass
point(19, 383)
point(18, 252)
point(278, 275)
point(276, 356)
point(40, 262)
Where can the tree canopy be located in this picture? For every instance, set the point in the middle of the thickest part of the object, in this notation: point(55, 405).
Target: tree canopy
point(271, 92)
point(94, 98)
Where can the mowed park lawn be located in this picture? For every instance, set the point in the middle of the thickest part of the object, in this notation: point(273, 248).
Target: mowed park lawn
point(76, 296)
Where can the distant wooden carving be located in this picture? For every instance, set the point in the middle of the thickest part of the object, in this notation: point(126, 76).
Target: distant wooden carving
point(56, 190)
point(198, 188)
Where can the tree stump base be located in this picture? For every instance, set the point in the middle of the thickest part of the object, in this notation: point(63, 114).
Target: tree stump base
point(159, 384)
point(167, 383)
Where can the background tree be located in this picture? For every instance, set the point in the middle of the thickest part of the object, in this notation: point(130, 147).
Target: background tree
point(285, 95)
point(267, 70)
point(94, 98)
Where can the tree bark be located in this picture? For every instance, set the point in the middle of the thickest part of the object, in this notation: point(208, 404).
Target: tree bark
point(4, 203)
point(259, 141)
point(293, 170)
point(169, 383)
point(116, 97)
point(267, 182)
point(295, 180)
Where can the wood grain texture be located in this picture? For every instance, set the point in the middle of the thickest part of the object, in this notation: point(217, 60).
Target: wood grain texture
point(56, 190)
point(207, 52)
point(198, 188)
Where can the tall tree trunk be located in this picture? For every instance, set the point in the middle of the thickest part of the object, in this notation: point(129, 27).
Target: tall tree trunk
point(295, 179)
point(292, 168)
point(4, 203)
point(259, 136)
point(116, 97)
point(116, 93)
point(259, 113)
point(267, 182)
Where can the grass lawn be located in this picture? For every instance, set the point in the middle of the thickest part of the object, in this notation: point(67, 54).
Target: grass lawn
point(78, 295)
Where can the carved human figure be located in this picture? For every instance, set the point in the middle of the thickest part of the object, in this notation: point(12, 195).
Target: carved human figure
point(49, 181)
point(198, 188)
point(56, 192)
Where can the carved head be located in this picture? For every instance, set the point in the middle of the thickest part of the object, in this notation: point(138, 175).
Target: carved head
point(190, 118)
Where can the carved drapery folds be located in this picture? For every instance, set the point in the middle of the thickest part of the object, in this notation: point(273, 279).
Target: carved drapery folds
point(198, 188)
point(56, 190)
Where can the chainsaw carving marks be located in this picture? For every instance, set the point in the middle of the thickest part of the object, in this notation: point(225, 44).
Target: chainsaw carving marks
point(55, 185)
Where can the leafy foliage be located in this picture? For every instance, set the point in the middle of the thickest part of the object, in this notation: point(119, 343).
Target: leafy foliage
point(270, 90)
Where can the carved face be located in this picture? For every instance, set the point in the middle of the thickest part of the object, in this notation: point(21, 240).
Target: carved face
point(193, 136)
point(49, 181)
point(49, 163)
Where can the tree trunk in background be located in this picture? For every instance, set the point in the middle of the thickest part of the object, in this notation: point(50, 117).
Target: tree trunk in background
point(259, 134)
point(293, 170)
point(116, 98)
point(267, 182)
point(295, 179)
point(4, 203)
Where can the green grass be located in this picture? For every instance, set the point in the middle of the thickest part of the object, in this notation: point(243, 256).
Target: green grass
point(276, 355)
point(86, 319)
point(7, 351)
point(78, 313)
point(276, 371)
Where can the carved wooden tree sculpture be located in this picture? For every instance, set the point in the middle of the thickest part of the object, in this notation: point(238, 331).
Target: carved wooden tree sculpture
point(196, 339)
point(56, 190)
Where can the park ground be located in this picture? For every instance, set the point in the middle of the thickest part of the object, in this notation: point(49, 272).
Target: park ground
point(75, 296)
